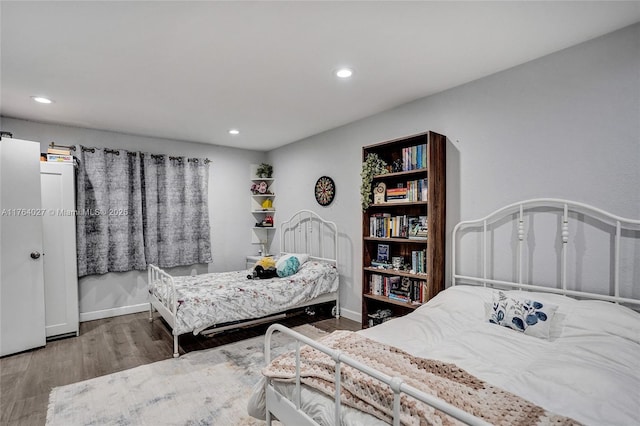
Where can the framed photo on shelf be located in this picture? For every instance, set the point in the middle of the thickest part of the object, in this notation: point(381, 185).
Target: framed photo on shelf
point(383, 253)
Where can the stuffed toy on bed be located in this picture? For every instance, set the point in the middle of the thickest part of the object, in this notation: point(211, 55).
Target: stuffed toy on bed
point(263, 269)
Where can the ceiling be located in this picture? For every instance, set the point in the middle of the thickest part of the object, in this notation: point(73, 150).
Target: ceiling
point(191, 71)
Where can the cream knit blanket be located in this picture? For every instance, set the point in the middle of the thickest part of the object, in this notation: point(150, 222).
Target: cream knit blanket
point(441, 379)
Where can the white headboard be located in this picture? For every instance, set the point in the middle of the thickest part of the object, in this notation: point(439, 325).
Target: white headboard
point(565, 247)
point(307, 232)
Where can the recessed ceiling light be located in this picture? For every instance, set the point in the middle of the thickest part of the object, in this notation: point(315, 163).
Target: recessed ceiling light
point(234, 132)
point(344, 73)
point(41, 99)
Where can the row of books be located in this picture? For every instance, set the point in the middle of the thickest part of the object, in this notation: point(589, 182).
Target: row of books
point(415, 190)
point(384, 225)
point(57, 155)
point(419, 261)
point(414, 157)
point(396, 193)
point(402, 289)
point(58, 158)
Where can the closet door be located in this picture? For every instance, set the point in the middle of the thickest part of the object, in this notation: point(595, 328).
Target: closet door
point(21, 273)
point(59, 239)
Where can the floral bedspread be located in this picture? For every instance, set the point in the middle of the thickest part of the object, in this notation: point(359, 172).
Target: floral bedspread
point(221, 297)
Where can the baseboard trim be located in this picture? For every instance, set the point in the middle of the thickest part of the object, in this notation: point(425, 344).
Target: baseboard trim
point(113, 312)
point(352, 315)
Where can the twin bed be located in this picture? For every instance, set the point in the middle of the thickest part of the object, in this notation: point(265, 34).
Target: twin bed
point(537, 327)
point(218, 301)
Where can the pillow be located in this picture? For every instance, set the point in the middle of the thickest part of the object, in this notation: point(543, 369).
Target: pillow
point(287, 265)
point(302, 257)
point(522, 314)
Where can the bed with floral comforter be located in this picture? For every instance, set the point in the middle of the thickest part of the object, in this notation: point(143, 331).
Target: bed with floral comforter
point(221, 297)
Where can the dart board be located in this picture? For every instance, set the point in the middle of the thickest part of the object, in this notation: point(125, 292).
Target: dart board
point(325, 190)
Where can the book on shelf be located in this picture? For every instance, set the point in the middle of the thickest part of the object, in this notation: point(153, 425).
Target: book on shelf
point(378, 285)
point(395, 195)
point(383, 265)
point(419, 292)
point(414, 157)
point(58, 151)
point(383, 253)
point(388, 226)
point(400, 190)
point(398, 297)
point(410, 191)
point(58, 158)
point(416, 293)
point(377, 224)
point(417, 190)
point(421, 232)
point(374, 284)
point(396, 200)
point(394, 283)
point(418, 227)
point(419, 261)
point(414, 190)
point(400, 286)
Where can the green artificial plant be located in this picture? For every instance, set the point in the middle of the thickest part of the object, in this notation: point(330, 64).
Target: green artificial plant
point(372, 166)
point(264, 170)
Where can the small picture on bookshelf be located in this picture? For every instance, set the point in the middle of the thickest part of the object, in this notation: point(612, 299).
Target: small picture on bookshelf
point(383, 253)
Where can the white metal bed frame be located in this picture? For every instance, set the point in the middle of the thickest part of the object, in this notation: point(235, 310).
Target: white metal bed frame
point(304, 232)
point(290, 413)
point(566, 207)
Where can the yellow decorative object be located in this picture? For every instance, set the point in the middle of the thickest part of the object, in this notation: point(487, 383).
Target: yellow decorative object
point(267, 204)
point(266, 262)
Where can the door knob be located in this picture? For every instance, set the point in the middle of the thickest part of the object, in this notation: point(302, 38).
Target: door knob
point(35, 255)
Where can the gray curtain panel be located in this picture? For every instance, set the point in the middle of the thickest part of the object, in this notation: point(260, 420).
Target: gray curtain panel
point(109, 221)
point(176, 210)
point(136, 209)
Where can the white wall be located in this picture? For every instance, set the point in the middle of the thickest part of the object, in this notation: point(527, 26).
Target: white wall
point(229, 204)
point(566, 125)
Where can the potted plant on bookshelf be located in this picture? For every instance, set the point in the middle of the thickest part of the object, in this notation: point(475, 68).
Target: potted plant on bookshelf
point(372, 165)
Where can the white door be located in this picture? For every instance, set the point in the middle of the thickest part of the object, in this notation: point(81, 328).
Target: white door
point(21, 274)
point(59, 242)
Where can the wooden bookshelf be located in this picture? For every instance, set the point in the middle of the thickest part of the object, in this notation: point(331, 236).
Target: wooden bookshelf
point(432, 205)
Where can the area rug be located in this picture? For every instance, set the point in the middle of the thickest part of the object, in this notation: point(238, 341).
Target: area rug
point(209, 387)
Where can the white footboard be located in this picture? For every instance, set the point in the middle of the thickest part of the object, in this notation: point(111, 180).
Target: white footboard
point(162, 297)
point(289, 412)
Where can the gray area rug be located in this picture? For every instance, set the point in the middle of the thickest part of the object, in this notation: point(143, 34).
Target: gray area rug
point(209, 387)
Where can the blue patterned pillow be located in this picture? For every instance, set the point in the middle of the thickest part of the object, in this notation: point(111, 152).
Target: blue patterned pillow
point(531, 317)
point(287, 265)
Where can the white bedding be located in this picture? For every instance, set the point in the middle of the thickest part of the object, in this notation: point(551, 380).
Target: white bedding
point(221, 297)
point(588, 369)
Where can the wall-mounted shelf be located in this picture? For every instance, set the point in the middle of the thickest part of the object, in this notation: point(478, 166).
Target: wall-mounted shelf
point(261, 235)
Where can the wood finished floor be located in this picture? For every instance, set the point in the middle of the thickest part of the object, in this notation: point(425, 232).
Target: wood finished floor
point(107, 346)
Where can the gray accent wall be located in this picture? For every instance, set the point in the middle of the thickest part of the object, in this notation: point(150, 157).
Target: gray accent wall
point(566, 125)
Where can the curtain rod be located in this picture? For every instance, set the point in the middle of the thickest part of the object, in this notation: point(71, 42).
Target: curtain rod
point(55, 145)
point(130, 153)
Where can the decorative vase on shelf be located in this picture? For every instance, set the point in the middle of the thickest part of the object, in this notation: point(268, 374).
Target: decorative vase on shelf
point(267, 204)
